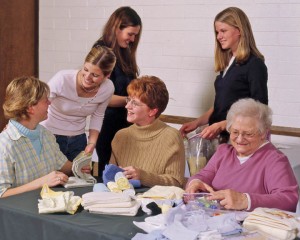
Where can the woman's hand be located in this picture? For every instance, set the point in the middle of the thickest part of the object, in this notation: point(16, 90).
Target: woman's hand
point(212, 131)
point(55, 178)
point(230, 199)
point(86, 169)
point(197, 185)
point(89, 149)
point(132, 172)
point(188, 127)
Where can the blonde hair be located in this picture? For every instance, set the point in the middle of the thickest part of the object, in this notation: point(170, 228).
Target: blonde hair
point(22, 93)
point(235, 17)
point(103, 57)
point(150, 90)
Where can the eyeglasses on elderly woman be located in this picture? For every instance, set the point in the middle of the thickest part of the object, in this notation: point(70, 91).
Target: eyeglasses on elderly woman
point(247, 135)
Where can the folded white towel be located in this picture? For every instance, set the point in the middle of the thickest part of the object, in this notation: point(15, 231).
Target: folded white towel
point(110, 205)
point(163, 192)
point(131, 211)
point(91, 198)
point(274, 223)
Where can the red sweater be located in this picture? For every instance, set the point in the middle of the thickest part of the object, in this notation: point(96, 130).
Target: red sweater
point(266, 176)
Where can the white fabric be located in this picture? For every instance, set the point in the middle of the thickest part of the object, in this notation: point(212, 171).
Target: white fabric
point(126, 211)
point(53, 202)
point(103, 198)
point(163, 192)
point(81, 179)
point(273, 223)
point(177, 231)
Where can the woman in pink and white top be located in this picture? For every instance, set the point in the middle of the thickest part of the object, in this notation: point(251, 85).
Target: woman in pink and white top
point(77, 94)
point(250, 172)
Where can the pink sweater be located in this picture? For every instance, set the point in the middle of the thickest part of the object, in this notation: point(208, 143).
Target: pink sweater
point(266, 176)
point(67, 114)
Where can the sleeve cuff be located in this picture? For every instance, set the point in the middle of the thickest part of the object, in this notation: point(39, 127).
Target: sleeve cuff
point(249, 201)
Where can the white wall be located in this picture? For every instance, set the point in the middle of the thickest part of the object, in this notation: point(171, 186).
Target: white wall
point(177, 45)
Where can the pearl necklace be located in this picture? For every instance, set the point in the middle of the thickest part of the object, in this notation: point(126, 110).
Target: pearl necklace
point(87, 90)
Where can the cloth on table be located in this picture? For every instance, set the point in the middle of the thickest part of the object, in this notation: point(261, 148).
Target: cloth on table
point(53, 202)
point(81, 179)
point(164, 196)
point(163, 192)
point(273, 223)
point(110, 172)
point(195, 224)
point(110, 203)
point(121, 184)
point(100, 187)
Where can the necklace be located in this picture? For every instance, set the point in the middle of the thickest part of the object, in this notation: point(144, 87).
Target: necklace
point(87, 90)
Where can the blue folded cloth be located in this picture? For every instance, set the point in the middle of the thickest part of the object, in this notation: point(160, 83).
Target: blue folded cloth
point(110, 171)
point(100, 187)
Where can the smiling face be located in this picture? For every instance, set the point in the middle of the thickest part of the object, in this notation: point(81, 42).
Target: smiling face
point(228, 36)
point(91, 76)
point(127, 36)
point(245, 136)
point(138, 112)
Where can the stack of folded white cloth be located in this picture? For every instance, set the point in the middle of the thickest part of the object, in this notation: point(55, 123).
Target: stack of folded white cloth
point(110, 203)
point(273, 223)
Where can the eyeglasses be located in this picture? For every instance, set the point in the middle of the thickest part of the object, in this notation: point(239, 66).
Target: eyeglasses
point(246, 135)
point(133, 102)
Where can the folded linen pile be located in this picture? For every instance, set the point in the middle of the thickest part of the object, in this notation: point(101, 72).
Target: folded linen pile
point(53, 202)
point(110, 203)
point(273, 223)
point(81, 179)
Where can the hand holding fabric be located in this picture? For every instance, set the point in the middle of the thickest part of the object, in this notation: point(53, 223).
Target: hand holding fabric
point(132, 172)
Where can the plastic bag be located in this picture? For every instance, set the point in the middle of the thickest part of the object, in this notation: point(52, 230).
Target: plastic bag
point(199, 152)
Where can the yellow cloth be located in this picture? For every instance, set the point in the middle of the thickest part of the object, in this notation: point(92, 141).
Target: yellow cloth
point(52, 201)
point(113, 187)
point(121, 181)
point(163, 192)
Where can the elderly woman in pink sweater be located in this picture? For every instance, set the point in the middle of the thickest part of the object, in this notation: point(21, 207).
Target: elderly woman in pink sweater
point(250, 172)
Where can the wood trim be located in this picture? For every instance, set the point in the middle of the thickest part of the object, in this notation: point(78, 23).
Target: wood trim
point(276, 130)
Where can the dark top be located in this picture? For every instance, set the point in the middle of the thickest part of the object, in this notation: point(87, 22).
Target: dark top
point(246, 80)
point(115, 117)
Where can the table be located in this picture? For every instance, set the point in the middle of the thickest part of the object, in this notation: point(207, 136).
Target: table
point(19, 219)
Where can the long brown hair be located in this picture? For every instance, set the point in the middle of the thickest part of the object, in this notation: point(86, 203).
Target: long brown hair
point(235, 17)
point(122, 18)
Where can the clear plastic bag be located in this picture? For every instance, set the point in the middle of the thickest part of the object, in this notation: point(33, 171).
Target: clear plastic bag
point(199, 151)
